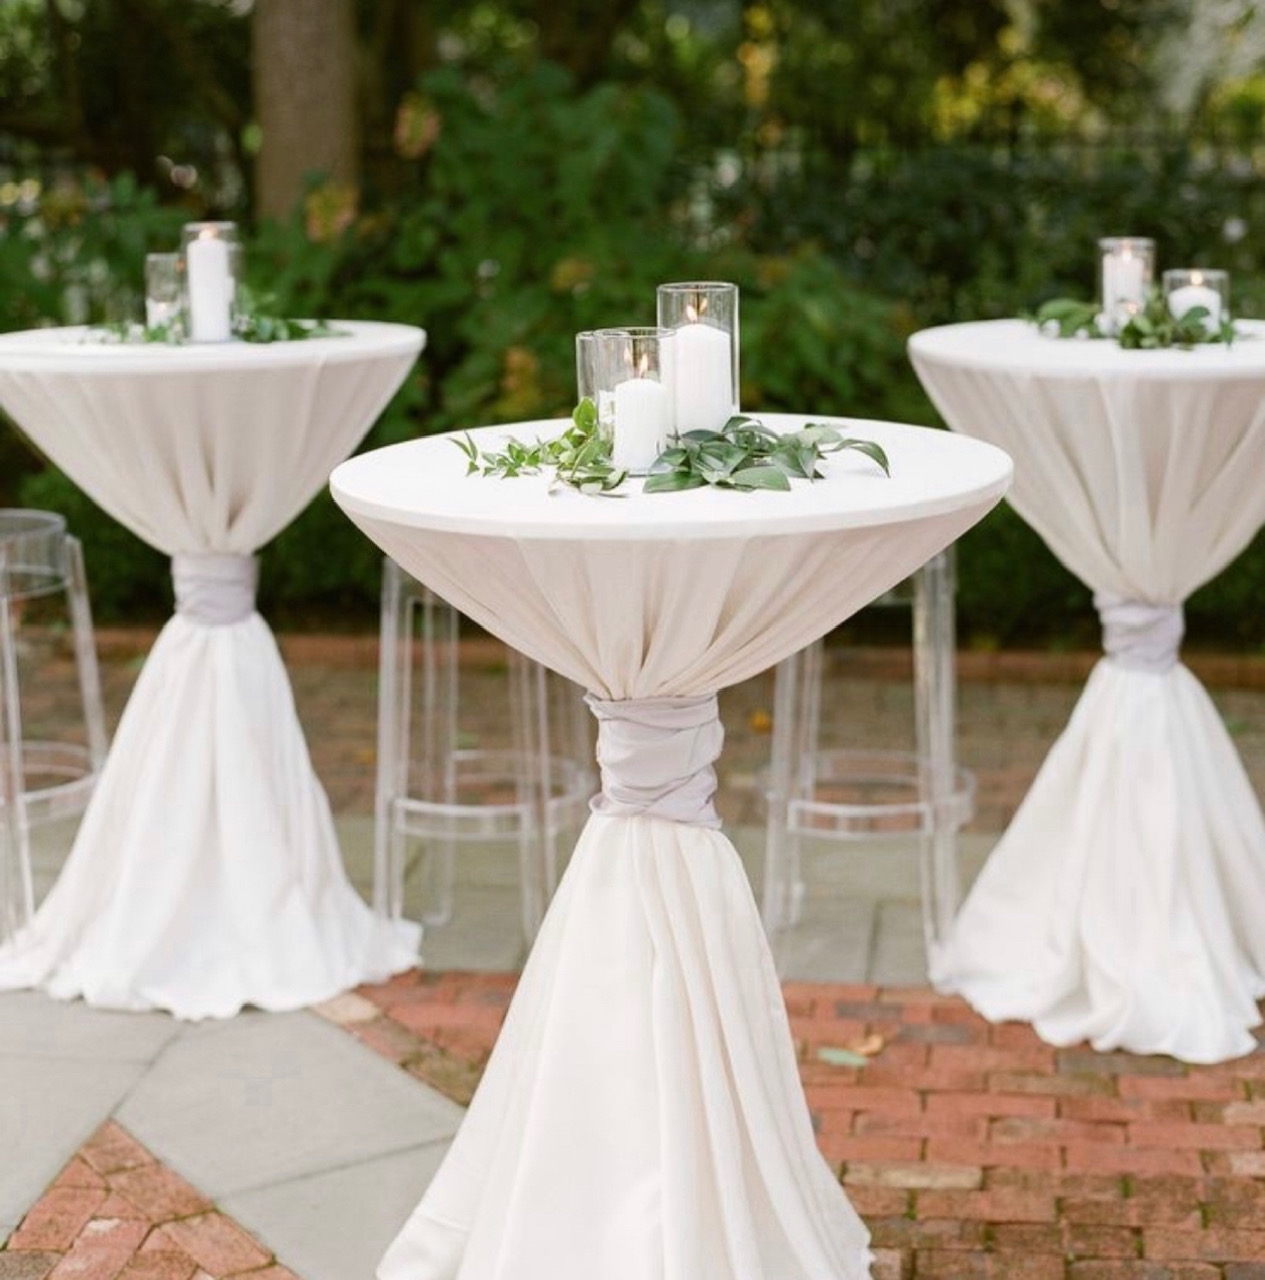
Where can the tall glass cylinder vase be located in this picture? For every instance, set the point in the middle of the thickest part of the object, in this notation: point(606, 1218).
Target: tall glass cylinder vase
point(212, 263)
point(704, 315)
point(1127, 273)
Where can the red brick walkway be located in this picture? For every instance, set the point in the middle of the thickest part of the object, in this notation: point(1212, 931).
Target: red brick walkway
point(116, 1213)
point(971, 1150)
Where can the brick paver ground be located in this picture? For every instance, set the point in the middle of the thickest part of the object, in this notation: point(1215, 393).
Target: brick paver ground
point(1011, 707)
point(971, 1150)
point(116, 1213)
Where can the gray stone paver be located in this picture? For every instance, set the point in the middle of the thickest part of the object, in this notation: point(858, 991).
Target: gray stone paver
point(337, 1224)
point(266, 1098)
point(48, 1108)
point(33, 1026)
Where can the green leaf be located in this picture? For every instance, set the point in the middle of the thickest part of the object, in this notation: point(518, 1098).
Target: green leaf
point(744, 455)
point(585, 415)
point(871, 450)
point(672, 482)
point(820, 435)
point(760, 478)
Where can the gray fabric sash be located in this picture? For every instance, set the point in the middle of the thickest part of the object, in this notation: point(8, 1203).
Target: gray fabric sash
point(215, 590)
point(1140, 636)
point(656, 757)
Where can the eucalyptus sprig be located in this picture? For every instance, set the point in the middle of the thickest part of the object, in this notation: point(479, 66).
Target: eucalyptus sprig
point(1155, 326)
point(253, 322)
point(1151, 328)
point(129, 331)
point(743, 454)
point(579, 456)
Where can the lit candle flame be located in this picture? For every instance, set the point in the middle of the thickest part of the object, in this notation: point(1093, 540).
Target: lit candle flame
point(1196, 277)
point(643, 364)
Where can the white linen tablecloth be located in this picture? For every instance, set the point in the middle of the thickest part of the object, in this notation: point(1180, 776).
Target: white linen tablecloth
point(206, 873)
point(641, 1114)
point(1125, 904)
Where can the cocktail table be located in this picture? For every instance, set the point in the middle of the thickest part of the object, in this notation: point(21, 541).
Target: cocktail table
point(206, 874)
point(1125, 905)
point(641, 1114)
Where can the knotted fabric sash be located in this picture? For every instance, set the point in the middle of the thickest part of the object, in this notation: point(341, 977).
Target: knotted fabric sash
point(656, 757)
point(1140, 636)
point(215, 590)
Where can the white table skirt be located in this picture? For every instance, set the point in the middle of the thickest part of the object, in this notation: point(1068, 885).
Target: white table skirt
point(206, 874)
point(1125, 903)
point(641, 1114)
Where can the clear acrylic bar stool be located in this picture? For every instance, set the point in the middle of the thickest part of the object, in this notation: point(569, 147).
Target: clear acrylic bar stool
point(852, 795)
point(434, 789)
point(41, 779)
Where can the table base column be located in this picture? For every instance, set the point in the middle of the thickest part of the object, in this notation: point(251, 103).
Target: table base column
point(206, 874)
point(1124, 904)
point(642, 1113)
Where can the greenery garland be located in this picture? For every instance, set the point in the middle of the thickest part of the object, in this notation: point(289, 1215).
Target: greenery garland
point(1154, 326)
point(252, 323)
point(744, 454)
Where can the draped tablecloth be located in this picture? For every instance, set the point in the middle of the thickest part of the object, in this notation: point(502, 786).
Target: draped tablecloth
point(1125, 904)
point(641, 1114)
point(206, 874)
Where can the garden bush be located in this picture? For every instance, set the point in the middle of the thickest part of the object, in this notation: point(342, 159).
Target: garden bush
point(534, 209)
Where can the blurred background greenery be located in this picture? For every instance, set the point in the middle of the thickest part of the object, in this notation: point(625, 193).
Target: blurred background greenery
point(505, 173)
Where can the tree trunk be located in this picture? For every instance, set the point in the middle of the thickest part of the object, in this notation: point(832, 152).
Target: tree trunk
point(303, 68)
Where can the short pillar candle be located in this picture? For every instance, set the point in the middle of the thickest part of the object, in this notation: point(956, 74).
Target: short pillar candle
point(1188, 287)
point(635, 393)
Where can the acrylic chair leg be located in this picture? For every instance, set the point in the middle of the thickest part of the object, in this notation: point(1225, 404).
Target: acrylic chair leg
point(776, 895)
point(529, 726)
point(17, 892)
point(441, 666)
point(934, 680)
point(86, 655)
point(394, 667)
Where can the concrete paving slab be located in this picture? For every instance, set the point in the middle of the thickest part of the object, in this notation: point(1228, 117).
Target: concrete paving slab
point(355, 841)
point(48, 1108)
point(485, 933)
point(33, 1024)
point(900, 958)
point(337, 1225)
point(50, 846)
point(831, 942)
point(270, 1097)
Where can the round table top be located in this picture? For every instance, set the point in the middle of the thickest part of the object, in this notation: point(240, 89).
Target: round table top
point(423, 484)
point(1017, 346)
point(82, 350)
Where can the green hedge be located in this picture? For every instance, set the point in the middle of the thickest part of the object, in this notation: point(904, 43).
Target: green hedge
point(541, 210)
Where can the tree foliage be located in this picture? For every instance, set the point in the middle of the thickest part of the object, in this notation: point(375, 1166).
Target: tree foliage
point(861, 168)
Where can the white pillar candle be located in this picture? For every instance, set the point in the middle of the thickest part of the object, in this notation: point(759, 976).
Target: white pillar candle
point(159, 313)
point(706, 397)
point(1196, 294)
point(642, 419)
point(210, 284)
